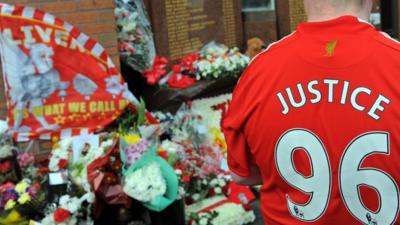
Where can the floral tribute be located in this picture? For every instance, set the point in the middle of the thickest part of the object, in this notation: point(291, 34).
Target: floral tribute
point(136, 44)
point(134, 163)
point(213, 62)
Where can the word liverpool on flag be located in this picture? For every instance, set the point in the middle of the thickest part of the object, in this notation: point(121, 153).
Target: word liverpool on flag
point(58, 80)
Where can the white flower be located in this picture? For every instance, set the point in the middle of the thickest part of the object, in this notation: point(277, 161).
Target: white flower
point(145, 184)
point(195, 197)
point(222, 183)
point(181, 193)
point(171, 147)
point(178, 172)
point(6, 150)
point(203, 221)
point(70, 204)
point(213, 182)
point(217, 190)
point(233, 214)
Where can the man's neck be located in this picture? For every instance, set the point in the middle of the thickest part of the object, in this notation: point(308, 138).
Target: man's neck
point(319, 18)
point(318, 13)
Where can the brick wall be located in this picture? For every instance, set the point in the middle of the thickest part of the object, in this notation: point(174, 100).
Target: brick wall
point(297, 13)
point(93, 17)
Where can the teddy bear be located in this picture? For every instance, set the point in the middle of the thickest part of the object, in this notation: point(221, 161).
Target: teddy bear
point(254, 47)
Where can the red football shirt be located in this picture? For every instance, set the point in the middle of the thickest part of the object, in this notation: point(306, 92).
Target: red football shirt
point(318, 113)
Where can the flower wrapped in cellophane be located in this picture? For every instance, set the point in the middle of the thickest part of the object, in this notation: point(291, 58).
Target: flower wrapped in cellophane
point(150, 180)
point(136, 44)
point(20, 201)
point(147, 177)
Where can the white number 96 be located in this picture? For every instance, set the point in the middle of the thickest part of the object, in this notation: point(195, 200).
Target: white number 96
point(351, 176)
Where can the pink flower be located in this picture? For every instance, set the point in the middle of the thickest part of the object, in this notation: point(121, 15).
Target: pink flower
point(136, 151)
point(25, 159)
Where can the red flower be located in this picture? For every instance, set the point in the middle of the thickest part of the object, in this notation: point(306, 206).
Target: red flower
point(43, 170)
point(61, 215)
point(189, 60)
point(186, 178)
point(163, 154)
point(6, 186)
point(5, 167)
point(211, 192)
point(62, 163)
point(154, 74)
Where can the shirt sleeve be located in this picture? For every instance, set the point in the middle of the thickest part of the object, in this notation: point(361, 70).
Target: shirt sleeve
point(244, 102)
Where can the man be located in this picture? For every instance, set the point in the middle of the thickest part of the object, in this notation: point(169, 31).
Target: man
point(314, 119)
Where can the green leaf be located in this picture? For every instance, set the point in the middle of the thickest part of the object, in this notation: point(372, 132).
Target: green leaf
point(141, 113)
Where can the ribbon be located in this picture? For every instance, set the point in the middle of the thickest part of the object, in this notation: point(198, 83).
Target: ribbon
point(214, 206)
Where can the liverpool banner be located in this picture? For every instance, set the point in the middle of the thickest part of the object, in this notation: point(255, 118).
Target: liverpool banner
point(58, 80)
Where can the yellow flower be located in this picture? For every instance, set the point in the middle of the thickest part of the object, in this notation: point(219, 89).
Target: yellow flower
point(10, 204)
point(21, 187)
point(131, 139)
point(218, 138)
point(13, 218)
point(24, 198)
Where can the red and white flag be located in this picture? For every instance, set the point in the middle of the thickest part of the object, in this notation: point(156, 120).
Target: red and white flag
point(58, 80)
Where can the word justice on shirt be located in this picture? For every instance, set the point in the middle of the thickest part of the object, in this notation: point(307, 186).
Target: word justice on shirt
point(331, 89)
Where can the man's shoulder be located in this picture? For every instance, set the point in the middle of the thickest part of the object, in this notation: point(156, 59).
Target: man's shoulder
point(276, 47)
point(386, 40)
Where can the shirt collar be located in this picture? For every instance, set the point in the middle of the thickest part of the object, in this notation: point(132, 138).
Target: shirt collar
point(343, 25)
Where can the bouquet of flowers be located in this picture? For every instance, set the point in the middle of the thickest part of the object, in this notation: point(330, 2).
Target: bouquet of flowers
point(150, 180)
point(19, 194)
point(105, 177)
point(26, 163)
point(9, 168)
point(213, 62)
point(219, 61)
point(69, 210)
point(136, 44)
point(146, 184)
point(19, 201)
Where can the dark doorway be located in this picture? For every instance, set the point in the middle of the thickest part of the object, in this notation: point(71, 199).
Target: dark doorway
point(389, 17)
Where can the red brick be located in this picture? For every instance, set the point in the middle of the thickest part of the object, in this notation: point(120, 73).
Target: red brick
point(108, 40)
point(58, 7)
point(106, 15)
point(95, 4)
point(112, 51)
point(98, 28)
point(80, 17)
